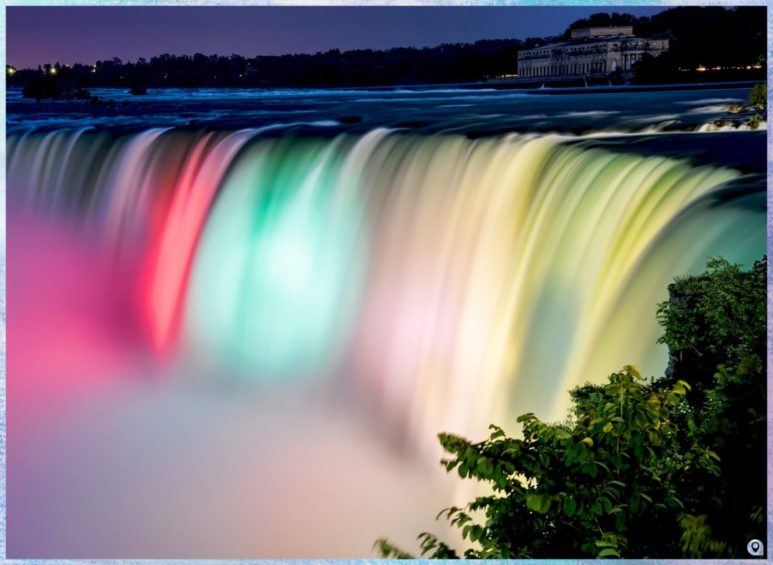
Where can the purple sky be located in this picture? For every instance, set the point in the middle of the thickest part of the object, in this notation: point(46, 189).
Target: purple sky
point(38, 35)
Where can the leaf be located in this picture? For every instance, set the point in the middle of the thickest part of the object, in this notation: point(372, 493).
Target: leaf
point(570, 506)
point(450, 511)
point(539, 503)
point(603, 466)
point(685, 384)
point(587, 441)
point(590, 469)
point(634, 371)
point(609, 552)
point(387, 550)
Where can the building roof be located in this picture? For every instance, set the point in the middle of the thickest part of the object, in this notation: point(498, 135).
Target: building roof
point(598, 31)
point(589, 41)
point(584, 41)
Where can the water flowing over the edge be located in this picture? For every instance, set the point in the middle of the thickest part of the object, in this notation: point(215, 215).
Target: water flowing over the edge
point(447, 283)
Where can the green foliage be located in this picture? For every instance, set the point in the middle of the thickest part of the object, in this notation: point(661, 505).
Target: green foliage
point(586, 489)
point(640, 469)
point(759, 96)
point(754, 122)
point(715, 330)
point(386, 549)
point(715, 319)
point(759, 101)
point(700, 36)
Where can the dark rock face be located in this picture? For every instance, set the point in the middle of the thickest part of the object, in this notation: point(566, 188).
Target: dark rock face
point(679, 360)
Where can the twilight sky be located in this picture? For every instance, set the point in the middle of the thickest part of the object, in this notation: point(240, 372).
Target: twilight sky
point(38, 35)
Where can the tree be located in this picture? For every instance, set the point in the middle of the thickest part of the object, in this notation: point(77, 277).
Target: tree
point(602, 19)
point(759, 96)
point(759, 101)
point(640, 468)
point(715, 328)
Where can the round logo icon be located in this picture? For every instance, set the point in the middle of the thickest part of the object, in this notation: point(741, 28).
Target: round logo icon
point(755, 548)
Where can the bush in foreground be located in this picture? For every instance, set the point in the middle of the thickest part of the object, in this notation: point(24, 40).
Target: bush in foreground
point(640, 469)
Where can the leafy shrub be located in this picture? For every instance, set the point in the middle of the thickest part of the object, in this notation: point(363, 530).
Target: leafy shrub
point(759, 96)
point(641, 469)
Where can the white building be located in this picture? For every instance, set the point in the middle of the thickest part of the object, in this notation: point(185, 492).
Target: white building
point(590, 51)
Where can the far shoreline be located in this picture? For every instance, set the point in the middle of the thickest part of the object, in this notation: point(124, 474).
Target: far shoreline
point(529, 86)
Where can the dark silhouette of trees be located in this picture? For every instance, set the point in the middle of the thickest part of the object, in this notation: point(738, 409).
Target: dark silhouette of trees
point(603, 19)
point(724, 41)
point(452, 62)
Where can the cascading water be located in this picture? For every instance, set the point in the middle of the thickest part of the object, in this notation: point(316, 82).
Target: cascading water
point(449, 282)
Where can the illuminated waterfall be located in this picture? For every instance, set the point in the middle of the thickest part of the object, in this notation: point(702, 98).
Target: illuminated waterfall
point(448, 282)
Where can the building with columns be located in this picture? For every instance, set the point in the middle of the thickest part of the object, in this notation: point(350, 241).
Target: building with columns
point(590, 51)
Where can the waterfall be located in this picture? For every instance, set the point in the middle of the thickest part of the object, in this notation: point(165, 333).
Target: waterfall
point(446, 282)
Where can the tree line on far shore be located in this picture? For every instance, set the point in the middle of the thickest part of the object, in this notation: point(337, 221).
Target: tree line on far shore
point(724, 41)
